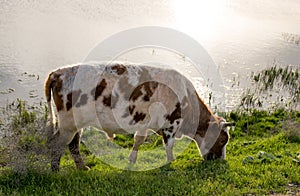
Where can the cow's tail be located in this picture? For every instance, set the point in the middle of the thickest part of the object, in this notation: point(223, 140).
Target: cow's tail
point(50, 126)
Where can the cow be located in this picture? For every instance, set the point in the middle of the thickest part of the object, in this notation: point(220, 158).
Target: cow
point(122, 98)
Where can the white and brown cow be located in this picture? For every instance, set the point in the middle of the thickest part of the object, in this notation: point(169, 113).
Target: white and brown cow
point(123, 98)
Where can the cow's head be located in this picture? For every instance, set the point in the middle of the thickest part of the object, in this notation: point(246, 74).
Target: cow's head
point(216, 138)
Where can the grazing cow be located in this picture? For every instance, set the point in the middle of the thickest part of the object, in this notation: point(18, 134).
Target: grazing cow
point(121, 98)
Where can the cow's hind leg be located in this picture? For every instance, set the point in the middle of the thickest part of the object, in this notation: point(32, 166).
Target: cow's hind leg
point(169, 149)
point(57, 144)
point(139, 139)
point(56, 150)
point(74, 147)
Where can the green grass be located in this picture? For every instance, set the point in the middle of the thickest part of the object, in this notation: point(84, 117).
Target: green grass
point(262, 159)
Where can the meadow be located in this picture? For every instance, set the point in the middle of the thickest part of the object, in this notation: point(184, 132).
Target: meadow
point(263, 158)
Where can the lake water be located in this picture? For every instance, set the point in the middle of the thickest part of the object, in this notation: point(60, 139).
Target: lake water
point(241, 36)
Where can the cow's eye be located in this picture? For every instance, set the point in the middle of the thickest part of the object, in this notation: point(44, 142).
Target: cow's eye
point(223, 140)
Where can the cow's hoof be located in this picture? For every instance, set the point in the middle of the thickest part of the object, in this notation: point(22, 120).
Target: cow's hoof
point(132, 162)
point(133, 157)
point(54, 168)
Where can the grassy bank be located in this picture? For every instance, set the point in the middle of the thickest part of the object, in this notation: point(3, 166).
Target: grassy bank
point(263, 157)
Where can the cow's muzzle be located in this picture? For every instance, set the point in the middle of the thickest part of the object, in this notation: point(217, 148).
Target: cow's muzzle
point(211, 156)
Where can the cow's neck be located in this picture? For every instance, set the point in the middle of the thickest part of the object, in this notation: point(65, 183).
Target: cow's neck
point(205, 116)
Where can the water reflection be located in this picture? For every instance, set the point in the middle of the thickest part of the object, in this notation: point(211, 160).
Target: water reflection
point(36, 36)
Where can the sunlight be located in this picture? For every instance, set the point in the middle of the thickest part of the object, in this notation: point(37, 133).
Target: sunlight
point(199, 18)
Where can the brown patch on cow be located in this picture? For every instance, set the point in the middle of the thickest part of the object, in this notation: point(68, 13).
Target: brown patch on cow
point(170, 129)
point(223, 138)
point(139, 117)
point(131, 109)
point(136, 93)
point(96, 92)
point(82, 101)
point(48, 86)
point(220, 143)
point(202, 128)
point(72, 98)
point(120, 69)
point(55, 83)
point(107, 100)
point(176, 114)
point(148, 88)
point(126, 88)
point(204, 117)
point(56, 86)
point(165, 137)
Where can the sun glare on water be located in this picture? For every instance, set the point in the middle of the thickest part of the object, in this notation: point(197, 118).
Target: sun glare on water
point(199, 18)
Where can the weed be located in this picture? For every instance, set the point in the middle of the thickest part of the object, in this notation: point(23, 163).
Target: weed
point(273, 87)
point(291, 38)
point(262, 158)
point(23, 141)
point(292, 131)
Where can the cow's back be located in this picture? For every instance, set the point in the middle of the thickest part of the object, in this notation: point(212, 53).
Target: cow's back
point(117, 97)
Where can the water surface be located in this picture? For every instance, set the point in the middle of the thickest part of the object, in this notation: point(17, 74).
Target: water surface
point(240, 35)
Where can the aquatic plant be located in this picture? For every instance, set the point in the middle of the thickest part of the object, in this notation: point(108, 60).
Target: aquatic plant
point(274, 86)
point(291, 38)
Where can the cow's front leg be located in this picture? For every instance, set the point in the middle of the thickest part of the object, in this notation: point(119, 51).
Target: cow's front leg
point(169, 140)
point(169, 143)
point(139, 139)
point(57, 144)
point(199, 141)
point(74, 148)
